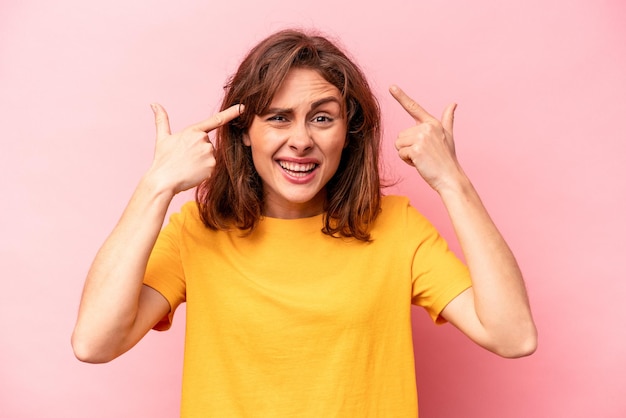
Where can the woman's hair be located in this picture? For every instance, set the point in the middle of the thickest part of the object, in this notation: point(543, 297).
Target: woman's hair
point(233, 196)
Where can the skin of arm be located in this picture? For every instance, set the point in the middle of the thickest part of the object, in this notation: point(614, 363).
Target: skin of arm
point(116, 309)
point(495, 312)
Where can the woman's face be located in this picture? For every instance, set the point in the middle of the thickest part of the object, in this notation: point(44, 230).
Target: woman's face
point(297, 144)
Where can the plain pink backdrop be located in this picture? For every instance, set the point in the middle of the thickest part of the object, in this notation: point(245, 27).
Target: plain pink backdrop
point(541, 88)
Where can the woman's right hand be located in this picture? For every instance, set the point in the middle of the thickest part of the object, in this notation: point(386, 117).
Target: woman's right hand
point(184, 159)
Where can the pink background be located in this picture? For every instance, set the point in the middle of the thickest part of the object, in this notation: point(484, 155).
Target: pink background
point(541, 88)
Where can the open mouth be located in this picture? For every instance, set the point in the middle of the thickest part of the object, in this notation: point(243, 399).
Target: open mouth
point(297, 169)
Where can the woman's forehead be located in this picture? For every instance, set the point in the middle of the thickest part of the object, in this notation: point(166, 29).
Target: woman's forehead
point(305, 87)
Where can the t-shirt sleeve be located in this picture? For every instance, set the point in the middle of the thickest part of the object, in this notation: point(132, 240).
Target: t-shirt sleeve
point(438, 276)
point(164, 271)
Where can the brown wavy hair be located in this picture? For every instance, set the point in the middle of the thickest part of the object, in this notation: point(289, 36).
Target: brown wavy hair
point(233, 196)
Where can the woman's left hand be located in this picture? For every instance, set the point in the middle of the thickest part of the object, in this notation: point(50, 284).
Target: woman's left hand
point(429, 145)
point(494, 312)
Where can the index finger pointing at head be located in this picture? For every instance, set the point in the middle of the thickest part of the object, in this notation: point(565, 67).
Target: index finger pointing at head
point(416, 111)
point(219, 119)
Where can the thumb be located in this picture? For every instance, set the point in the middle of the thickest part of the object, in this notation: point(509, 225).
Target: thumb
point(161, 120)
point(447, 119)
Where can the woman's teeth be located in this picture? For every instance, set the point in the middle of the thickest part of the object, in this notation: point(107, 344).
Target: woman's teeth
point(297, 169)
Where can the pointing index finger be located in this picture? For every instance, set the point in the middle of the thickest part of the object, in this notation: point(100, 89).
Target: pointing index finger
point(161, 120)
point(416, 111)
point(219, 119)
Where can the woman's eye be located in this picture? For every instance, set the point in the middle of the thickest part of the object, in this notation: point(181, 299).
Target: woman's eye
point(277, 118)
point(322, 119)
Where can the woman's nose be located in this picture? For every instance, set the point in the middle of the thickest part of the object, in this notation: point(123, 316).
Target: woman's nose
point(300, 138)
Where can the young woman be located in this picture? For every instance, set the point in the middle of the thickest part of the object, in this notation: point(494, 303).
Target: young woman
point(297, 274)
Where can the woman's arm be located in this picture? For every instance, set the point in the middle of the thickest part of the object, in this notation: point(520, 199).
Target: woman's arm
point(116, 309)
point(494, 312)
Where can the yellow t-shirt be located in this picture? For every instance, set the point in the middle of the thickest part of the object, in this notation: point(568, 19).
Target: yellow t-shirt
point(289, 322)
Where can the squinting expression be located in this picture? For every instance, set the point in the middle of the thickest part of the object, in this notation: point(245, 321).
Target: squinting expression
point(297, 144)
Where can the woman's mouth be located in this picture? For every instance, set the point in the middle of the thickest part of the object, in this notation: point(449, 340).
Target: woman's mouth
point(297, 169)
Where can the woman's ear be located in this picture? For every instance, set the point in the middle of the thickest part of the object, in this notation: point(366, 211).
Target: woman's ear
point(246, 139)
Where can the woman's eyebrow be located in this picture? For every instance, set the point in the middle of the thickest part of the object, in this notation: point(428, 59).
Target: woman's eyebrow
point(281, 110)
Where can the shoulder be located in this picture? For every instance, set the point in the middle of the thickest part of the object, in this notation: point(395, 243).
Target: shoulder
point(397, 214)
point(190, 209)
point(394, 203)
point(396, 208)
point(187, 216)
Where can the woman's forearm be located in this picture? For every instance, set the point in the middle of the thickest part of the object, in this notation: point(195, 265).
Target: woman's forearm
point(110, 300)
point(499, 294)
